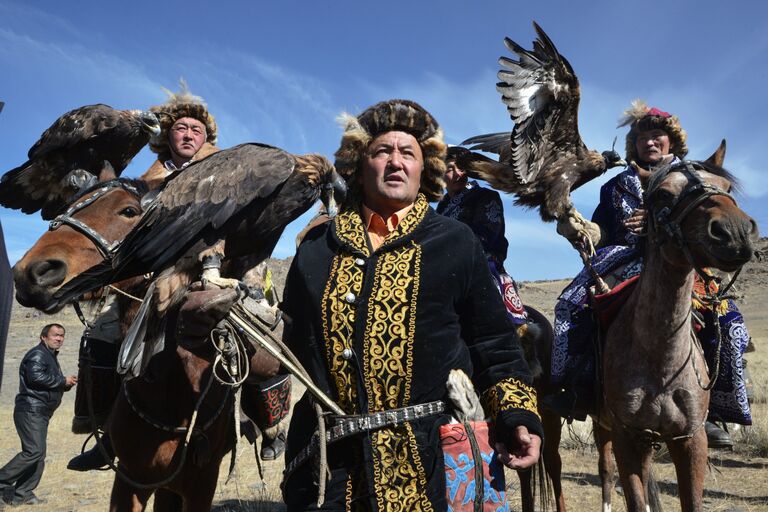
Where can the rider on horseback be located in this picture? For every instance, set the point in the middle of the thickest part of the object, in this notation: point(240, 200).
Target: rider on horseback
point(655, 139)
point(188, 133)
point(481, 209)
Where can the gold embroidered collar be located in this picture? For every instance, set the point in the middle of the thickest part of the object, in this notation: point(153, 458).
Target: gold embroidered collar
point(350, 227)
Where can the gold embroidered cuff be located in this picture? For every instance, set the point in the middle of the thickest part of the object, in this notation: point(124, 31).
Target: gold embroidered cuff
point(509, 394)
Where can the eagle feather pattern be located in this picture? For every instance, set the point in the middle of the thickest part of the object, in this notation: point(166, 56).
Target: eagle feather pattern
point(86, 139)
point(239, 200)
point(543, 158)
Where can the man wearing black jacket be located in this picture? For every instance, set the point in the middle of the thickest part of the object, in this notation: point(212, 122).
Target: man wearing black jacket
point(41, 386)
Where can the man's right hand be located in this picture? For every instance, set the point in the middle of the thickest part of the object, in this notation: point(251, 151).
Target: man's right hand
point(636, 222)
point(69, 382)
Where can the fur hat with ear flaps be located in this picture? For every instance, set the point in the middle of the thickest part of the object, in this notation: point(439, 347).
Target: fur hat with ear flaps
point(181, 104)
point(393, 115)
point(640, 117)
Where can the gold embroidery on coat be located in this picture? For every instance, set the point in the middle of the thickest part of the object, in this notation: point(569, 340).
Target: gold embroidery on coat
point(338, 326)
point(509, 394)
point(399, 478)
point(400, 481)
point(350, 229)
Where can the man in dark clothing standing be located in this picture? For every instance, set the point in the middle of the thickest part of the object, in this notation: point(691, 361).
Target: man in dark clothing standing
point(41, 386)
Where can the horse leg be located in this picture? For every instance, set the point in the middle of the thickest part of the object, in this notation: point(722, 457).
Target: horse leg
point(605, 465)
point(634, 463)
point(126, 498)
point(551, 456)
point(199, 486)
point(690, 459)
point(168, 501)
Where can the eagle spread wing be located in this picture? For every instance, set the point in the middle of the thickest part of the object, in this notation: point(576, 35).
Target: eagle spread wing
point(543, 158)
point(241, 198)
point(78, 144)
point(233, 203)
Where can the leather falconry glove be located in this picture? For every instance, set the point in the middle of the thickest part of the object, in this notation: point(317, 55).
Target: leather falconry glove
point(574, 226)
point(201, 311)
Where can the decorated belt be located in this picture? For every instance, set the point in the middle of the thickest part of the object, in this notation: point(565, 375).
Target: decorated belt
point(346, 426)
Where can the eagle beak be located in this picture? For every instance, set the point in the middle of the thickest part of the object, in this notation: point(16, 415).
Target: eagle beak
point(151, 123)
point(334, 194)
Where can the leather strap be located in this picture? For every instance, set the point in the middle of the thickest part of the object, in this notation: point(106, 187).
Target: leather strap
point(346, 426)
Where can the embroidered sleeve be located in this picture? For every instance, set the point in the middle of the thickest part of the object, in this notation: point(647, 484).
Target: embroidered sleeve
point(509, 394)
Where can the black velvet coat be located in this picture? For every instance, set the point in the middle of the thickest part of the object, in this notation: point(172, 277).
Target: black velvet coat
point(422, 304)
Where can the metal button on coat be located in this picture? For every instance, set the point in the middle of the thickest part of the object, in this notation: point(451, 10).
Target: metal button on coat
point(350, 298)
point(346, 354)
point(360, 262)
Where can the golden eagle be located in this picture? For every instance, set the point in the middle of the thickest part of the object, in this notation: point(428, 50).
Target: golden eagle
point(543, 158)
point(77, 146)
point(231, 204)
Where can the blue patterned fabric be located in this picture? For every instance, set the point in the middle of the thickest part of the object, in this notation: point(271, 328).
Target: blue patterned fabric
point(574, 323)
point(460, 468)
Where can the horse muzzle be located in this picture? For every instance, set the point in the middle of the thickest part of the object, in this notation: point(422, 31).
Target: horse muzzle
point(732, 240)
point(36, 283)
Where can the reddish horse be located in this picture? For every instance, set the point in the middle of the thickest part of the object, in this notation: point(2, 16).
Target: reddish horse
point(655, 379)
point(150, 418)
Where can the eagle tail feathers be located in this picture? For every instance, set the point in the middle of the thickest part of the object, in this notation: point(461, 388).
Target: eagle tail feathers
point(137, 347)
point(489, 142)
point(500, 176)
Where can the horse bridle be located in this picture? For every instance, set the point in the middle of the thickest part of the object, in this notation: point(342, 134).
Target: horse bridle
point(106, 248)
point(667, 218)
point(670, 222)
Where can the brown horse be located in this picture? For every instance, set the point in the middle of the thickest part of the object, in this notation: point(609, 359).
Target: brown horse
point(655, 379)
point(538, 352)
point(656, 387)
point(149, 420)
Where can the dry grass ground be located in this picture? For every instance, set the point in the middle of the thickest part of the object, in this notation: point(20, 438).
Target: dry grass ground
point(737, 480)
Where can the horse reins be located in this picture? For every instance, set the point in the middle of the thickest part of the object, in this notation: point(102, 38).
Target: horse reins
point(669, 221)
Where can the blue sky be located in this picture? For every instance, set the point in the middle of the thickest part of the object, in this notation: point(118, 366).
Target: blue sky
point(281, 72)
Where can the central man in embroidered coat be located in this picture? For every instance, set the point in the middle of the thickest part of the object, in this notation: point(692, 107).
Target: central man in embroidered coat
point(385, 300)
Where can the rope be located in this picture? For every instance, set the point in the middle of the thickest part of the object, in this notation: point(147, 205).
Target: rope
point(124, 293)
point(262, 327)
point(120, 472)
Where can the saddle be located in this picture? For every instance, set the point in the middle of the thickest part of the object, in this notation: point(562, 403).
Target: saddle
point(608, 305)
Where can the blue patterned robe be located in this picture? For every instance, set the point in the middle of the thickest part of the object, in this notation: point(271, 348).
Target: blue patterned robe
point(481, 209)
point(574, 324)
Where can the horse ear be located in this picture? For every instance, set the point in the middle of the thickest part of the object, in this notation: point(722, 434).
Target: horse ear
point(107, 172)
point(718, 157)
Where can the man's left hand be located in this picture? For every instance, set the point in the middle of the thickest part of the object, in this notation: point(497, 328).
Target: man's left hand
point(524, 451)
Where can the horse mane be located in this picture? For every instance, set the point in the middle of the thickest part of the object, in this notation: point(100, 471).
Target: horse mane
point(140, 185)
point(659, 176)
point(719, 171)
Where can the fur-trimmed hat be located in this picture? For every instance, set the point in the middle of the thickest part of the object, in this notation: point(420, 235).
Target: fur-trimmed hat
point(640, 117)
point(393, 115)
point(181, 104)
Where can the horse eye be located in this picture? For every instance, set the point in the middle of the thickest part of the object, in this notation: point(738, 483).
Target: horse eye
point(130, 212)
